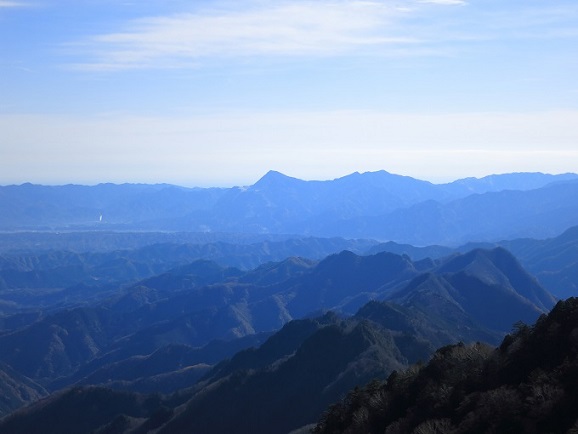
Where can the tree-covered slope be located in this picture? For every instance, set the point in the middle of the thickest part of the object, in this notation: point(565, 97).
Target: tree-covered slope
point(529, 384)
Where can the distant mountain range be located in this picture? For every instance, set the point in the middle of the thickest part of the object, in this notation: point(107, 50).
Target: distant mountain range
point(376, 205)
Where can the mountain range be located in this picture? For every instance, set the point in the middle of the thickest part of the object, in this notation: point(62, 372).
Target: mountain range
point(553, 261)
point(376, 205)
point(169, 333)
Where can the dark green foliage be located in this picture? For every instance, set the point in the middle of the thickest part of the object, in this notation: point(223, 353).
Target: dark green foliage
point(528, 385)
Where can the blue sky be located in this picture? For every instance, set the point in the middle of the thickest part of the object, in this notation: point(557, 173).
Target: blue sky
point(207, 93)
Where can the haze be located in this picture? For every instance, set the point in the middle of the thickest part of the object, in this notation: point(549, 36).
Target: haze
point(218, 92)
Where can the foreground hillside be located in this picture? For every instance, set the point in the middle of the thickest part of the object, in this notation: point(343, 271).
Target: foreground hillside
point(529, 384)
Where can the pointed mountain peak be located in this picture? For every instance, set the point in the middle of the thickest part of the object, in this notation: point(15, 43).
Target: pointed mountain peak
point(274, 179)
point(499, 257)
point(461, 261)
point(498, 267)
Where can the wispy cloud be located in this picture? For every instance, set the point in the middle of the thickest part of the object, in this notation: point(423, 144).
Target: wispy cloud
point(9, 4)
point(301, 28)
point(314, 28)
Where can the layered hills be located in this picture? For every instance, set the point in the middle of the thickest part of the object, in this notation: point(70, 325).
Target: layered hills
point(553, 261)
point(200, 302)
point(169, 332)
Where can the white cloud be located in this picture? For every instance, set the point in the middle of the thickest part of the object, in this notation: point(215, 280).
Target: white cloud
point(299, 28)
point(314, 28)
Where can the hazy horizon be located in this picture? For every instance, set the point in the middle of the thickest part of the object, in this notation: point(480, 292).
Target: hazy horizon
point(216, 93)
point(440, 182)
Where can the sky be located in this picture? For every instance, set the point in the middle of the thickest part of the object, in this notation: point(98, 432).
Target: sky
point(218, 92)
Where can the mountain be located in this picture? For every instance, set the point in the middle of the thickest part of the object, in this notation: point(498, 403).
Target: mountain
point(527, 385)
point(58, 343)
point(508, 214)
point(345, 281)
point(305, 366)
point(171, 367)
point(292, 389)
point(192, 305)
point(102, 240)
point(156, 336)
point(17, 390)
point(377, 205)
point(57, 279)
point(83, 410)
point(553, 261)
point(76, 206)
point(415, 253)
point(487, 287)
point(477, 295)
point(246, 330)
point(508, 181)
point(277, 203)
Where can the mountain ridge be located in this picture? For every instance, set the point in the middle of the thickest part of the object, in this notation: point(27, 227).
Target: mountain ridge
point(376, 205)
point(527, 384)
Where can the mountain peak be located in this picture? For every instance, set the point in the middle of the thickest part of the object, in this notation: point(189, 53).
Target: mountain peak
point(274, 179)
